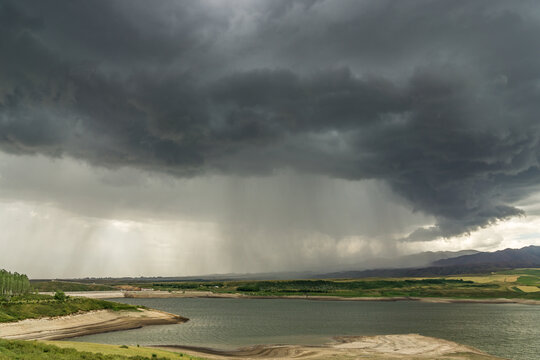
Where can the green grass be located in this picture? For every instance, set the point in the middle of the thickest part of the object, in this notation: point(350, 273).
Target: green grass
point(533, 272)
point(37, 306)
point(529, 280)
point(125, 350)
point(53, 286)
point(30, 350)
point(187, 285)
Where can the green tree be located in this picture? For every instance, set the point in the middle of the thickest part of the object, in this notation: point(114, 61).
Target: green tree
point(60, 295)
point(13, 283)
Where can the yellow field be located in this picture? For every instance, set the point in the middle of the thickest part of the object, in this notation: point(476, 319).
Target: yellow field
point(481, 279)
point(117, 350)
point(487, 278)
point(527, 288)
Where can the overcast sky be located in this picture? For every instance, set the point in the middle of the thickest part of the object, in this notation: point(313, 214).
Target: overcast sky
point(195, 137)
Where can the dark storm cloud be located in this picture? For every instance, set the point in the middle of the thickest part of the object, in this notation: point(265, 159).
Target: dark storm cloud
point(438, 99)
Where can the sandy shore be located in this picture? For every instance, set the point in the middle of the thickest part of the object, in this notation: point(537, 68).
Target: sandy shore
point(209, 294)
point(411, 346)
point(92, 322)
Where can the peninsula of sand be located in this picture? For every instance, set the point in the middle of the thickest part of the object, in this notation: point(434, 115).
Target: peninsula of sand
point(402, 347)
point(87, 323)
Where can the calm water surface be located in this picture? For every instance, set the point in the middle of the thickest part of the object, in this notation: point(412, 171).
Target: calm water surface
point(507, 330)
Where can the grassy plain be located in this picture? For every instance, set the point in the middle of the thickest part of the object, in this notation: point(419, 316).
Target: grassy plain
point(123, 350)
point(519, 283)
point(515, 283)
point(60, 350)
point(52, 286)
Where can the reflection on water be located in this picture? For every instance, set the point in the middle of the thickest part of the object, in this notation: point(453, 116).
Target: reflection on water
point(506, 330)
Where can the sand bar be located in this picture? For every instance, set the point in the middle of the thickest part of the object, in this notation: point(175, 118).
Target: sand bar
point(91, 322)
point(410, 346)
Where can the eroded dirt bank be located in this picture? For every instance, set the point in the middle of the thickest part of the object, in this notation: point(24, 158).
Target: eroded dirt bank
point(92, 322)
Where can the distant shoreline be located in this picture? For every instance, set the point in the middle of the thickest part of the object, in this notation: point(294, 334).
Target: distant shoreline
point(208, 294)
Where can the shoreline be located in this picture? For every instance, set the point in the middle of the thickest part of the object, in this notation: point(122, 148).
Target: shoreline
point(403, 347)
point(158, 294)
point(92, 322)
point(409, 346)
point(207, 294)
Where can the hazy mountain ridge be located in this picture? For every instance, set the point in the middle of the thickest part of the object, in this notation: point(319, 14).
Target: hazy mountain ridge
point(440, 263)
point(480, 262)
point(410, 272)
point(420, 259)
point(525, 257)
point(408, 261)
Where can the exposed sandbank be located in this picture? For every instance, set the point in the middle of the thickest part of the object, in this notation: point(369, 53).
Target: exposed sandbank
point(92, 322)
point(411, 346)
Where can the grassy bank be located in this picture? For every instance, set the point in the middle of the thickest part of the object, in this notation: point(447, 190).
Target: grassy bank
point(522, 284)
point(36, 306)
point(30, 350)
point(123, 350)
point(53, 286)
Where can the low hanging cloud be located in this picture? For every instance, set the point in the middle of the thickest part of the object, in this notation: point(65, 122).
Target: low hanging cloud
point(437, 99)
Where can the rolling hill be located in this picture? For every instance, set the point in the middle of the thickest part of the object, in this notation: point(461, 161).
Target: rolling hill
point(512, 258)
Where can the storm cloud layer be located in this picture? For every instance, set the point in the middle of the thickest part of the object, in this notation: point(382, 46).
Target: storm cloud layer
point(438, 99)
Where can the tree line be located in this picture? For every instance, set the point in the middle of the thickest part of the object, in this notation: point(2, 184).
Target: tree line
point(13, 283)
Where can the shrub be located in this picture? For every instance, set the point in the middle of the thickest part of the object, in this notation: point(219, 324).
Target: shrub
point(60, 296)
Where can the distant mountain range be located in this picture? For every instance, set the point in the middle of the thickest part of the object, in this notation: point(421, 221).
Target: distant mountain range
point(440, 263)
point(415, 260)
point(479, 262)
point(525, 257)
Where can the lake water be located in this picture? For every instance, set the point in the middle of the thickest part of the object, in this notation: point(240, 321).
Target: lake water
point(507, 330)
